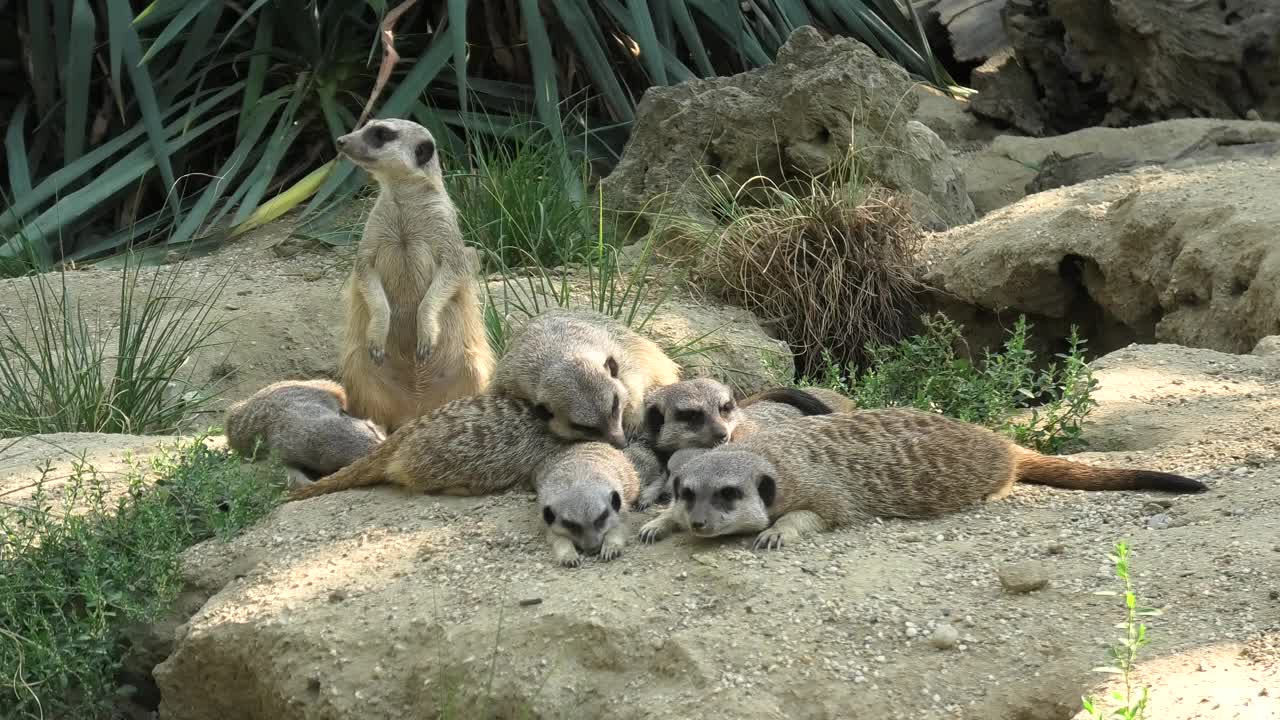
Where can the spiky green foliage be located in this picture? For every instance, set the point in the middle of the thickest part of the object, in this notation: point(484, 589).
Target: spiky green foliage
point(193, 119)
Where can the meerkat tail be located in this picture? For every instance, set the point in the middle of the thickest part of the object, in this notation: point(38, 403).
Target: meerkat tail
point(795, 397)
point(1037, 469)
point(368, 470)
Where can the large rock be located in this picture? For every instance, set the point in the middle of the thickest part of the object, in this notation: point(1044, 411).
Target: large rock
point(379, 604)
point(1099, 62)
point(1186, 256)
point(797, 116)
point(1000, 174)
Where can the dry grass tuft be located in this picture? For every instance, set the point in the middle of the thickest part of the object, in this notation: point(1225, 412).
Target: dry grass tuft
point(828, 265)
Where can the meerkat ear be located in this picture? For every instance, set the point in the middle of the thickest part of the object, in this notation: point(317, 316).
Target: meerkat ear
point(653, 420)
point(423, 152)
point(615, 501)
point(542, 412)
point(548, 515)
point(767, 488)
point(612, 365)
point(675, 489)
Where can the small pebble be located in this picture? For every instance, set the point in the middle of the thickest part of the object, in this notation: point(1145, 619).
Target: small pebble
point(1158, 522)
point(337, 596)
point(945, 637)
point(1056, 548)
point(530, 601)
point(1024, 577)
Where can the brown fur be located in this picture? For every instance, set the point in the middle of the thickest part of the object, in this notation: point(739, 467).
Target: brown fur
point(827, 471)
point(473, 446)
point(415, 338)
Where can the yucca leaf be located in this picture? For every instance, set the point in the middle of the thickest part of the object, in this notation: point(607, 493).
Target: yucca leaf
point(587, 38)
point(184, 17)
point(285, 201)
point(40, 38)
point(249, 12)
point(727, 18)
point(76, 80)
point(282, 137)
point(651, 52)
point(256, 76)
point(662, 24)
point(847, 13)
point(58, 181)
point(125, 237)
point(234, 164)
point(15, 152)
point(122, 32)
point(901, 50)
point(195, 48)
point(118, 176)
point(689, 31)
point(158, 11)
point(670, 62)
point(794, 12)
point(458, 32)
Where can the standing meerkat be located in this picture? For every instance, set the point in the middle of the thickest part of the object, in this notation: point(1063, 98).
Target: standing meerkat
point(818, 473)
point(702, 413)
point(585, 372)
point(415, 338)
point(476, 445)
point(584, 491)
point(303, 422)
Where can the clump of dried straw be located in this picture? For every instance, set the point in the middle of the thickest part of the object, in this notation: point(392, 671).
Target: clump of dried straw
point(830, 266)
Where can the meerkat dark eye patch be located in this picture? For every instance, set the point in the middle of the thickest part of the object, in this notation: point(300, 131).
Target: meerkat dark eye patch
point(601, 520)
point(542, 412)
point(675, 487)
point(617, 403)
point(728, 407)
point(653, 420)
point(612, 366)
point(693, 417)
point(571, 526)
point(615, 502)
point(767, 488)
point(730, 493)
point(380, 135)
point(423, 152)
point(548, 515)
point(584, 429)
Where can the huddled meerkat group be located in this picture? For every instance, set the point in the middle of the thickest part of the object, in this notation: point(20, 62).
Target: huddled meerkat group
point(591, 415)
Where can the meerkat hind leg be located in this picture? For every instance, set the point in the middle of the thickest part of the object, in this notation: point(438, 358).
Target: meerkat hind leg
point(563, 550)
point(789, 528)
point(295, 478)
point(661, 526)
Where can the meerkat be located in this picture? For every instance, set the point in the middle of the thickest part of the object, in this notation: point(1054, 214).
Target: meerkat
point(584, 491)
point(415, 337)
point(702, 413)
point(476, 445)
point(587, 374)
point(303, 422)
point(818, 473)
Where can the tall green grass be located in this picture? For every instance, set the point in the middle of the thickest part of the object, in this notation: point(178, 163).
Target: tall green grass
point(64, 368)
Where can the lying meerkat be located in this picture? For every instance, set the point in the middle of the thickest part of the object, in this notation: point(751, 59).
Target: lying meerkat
point(415, 338)
point(303, 422)
point(817, 473)
point(585, 372)
point(702, 413)
point(476, 445)
point(583, 492)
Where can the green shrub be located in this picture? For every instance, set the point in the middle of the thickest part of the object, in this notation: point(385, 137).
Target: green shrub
point(183, 120)
point(80, 568)
point(60, 372)
point(1132, 703)
point(927, 372)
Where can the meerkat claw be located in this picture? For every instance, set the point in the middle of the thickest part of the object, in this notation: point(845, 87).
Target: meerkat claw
point(768, 540)
point(377, 353)
point(423, 352)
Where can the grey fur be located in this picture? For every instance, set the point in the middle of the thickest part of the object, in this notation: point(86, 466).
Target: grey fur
point(583, 493)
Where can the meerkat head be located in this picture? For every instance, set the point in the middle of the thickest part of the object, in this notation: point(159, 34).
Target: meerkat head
point(364, 427)
point(584, 513)
point(699, 413)
point(581, 398)
point(392, 149)
point(725, 492)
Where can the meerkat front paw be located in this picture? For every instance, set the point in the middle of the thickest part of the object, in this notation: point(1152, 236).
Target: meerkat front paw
point(427, 337)
point(612, 547)
point(377, 352)
point(570, 559)
point(771, 539)
point(653, 531)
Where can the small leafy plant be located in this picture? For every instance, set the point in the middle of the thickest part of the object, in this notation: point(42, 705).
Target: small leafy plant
point(83, 562)
point(1042, 409)
point(1124, 655)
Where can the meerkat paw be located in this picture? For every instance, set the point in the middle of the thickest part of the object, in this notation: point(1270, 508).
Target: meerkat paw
point(772, 539)
point(427, 337)
point(377, 352)
point(570, 559)
point(612, 547)
point(653, 531)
